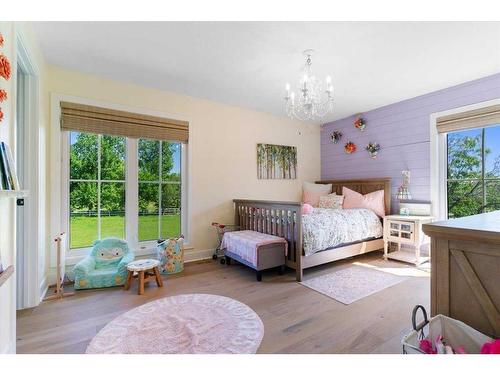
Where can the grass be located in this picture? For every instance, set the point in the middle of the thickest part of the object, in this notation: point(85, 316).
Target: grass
point(83, 230)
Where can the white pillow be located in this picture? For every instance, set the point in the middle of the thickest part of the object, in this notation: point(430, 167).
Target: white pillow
point(331, 201)
point(311, 192)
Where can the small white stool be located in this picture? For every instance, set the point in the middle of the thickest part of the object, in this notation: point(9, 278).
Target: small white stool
point(143, 270)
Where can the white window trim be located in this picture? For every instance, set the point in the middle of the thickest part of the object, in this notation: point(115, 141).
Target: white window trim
point(60, 181)
point(438, 160)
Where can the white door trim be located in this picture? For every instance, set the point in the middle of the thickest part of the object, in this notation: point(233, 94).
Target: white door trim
point(438, 157)
point(33, 235)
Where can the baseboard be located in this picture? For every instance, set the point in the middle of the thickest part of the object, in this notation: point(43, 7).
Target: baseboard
point(10, 349)
point(43, 288)
point(195, 255)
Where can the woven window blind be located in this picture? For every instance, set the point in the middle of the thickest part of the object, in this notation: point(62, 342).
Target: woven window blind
point(477, 118)
point(86, 118)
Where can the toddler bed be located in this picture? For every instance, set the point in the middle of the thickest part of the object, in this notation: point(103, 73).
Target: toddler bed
point(310, 237)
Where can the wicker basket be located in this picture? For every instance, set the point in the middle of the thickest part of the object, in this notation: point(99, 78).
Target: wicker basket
point(456, 333)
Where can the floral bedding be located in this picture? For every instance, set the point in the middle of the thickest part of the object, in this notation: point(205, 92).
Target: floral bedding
point(325, 228)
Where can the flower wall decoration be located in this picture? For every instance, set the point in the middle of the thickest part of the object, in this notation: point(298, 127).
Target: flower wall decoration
point(4, 67)
point(3, 95)
point(335, 136)
point(360, 123)
point(373, 149)
point(350, 147)
point(1, 40)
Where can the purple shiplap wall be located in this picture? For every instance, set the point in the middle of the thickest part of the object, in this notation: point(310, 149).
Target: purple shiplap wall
point(402, 129)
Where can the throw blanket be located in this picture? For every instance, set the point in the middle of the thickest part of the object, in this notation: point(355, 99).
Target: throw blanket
point(325, 228)
point(246, 243)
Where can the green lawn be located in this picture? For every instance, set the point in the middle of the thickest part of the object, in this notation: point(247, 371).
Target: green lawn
point(83, 230)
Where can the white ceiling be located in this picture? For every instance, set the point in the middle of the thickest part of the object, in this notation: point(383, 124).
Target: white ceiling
point(248, 63)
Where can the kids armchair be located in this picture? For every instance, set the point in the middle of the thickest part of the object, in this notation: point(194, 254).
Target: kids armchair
point(105, 266)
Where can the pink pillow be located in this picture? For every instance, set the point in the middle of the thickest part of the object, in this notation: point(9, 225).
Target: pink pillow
point(372, 201)
point(307, 209)
point(312, 197)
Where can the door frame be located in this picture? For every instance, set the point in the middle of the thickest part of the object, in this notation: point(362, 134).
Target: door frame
point(30, 281)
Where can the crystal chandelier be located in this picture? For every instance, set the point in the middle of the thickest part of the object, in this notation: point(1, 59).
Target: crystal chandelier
point(314, 99)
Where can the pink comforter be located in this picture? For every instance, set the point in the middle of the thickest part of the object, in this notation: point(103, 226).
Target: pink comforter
point(246, 243)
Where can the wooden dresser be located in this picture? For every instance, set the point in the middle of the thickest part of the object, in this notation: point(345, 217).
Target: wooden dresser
point(465, 270)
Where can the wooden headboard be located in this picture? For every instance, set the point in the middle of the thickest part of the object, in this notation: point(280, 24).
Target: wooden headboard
point(364, 186)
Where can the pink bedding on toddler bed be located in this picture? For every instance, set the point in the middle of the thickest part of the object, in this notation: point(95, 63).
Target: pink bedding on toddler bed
point(246, 243)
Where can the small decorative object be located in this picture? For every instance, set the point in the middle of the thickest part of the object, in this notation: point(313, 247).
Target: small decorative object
point(8, 176)
point(360, 123)
point(403, 192)
point(4, 67)
point(405, 211)
point(3, 95)
point(350, 147)
point(373, 149)
point(1, 40)
point(1, 115)
point(276, 162)
point(335, 136)
point(170, 253)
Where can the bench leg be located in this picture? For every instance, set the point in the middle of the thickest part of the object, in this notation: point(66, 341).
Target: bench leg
point(129, 279)
point(158, 278)
point(298, 274)
point(281, 270)
point(259, 275)
point(141, 283)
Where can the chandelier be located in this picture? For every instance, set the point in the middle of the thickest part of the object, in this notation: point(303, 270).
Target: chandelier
point(314, 99)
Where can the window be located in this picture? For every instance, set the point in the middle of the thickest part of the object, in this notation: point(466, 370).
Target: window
point(159, 189)
point(98, 180)
point(473, 171)
point(97, 188)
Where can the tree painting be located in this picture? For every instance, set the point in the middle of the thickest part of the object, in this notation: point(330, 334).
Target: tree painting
point(276, 162)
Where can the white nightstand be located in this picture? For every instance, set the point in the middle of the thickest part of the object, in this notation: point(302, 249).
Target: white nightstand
point(406, 230)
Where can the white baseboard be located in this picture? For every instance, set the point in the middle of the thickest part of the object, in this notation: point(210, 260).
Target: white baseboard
point(190, 255)
point(195, 255)
point(10, 349)
point(44, 287)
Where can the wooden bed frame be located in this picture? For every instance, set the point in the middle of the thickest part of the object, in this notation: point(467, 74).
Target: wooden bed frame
point(284, 219)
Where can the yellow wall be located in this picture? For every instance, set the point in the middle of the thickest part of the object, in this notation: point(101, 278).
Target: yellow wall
point(10, 31)
point(223, 145)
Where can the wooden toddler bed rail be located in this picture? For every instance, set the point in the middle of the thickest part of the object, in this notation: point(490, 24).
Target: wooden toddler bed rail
point(284, 219)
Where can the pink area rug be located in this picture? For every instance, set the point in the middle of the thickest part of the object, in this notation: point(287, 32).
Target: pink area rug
point(353, 283)
point(187, 323)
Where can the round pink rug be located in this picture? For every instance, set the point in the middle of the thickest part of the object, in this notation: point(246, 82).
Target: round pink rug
point(187, 323)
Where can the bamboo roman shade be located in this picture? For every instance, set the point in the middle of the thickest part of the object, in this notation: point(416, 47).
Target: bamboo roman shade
point(477, 118)
point(86, 118)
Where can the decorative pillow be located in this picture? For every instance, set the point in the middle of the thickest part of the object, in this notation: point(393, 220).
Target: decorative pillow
point(307, 209)
point(312, 192)
point(372, 201)
point(331, 201)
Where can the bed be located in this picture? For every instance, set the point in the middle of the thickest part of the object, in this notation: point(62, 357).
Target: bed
point(285, 219)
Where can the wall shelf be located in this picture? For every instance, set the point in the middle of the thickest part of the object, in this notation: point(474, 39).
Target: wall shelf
point(4, 276)
point(13, 193)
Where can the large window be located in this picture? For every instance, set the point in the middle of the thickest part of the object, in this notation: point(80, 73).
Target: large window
point(159, 189)
point(104, 173)
point(473, 175)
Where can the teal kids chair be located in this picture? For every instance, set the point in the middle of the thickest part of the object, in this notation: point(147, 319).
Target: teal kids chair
point(105, 266)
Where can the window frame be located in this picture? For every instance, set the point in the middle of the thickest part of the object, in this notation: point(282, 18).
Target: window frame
point(131, 198)
point(483, 180)
point(439, 158)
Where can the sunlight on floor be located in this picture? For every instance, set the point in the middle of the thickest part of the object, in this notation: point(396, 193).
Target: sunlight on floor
point(403, 270)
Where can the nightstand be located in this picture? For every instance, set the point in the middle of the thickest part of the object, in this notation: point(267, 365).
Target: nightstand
point(406, 232)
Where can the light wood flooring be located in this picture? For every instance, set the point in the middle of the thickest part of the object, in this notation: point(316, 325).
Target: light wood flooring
point(296, 319)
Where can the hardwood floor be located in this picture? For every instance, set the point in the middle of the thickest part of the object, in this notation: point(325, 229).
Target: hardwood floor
point(296, 319)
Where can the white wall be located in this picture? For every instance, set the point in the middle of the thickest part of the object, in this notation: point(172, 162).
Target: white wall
point(223, 141)
point(10, 31)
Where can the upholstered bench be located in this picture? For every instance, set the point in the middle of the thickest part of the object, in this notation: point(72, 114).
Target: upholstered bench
point(256, 250)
